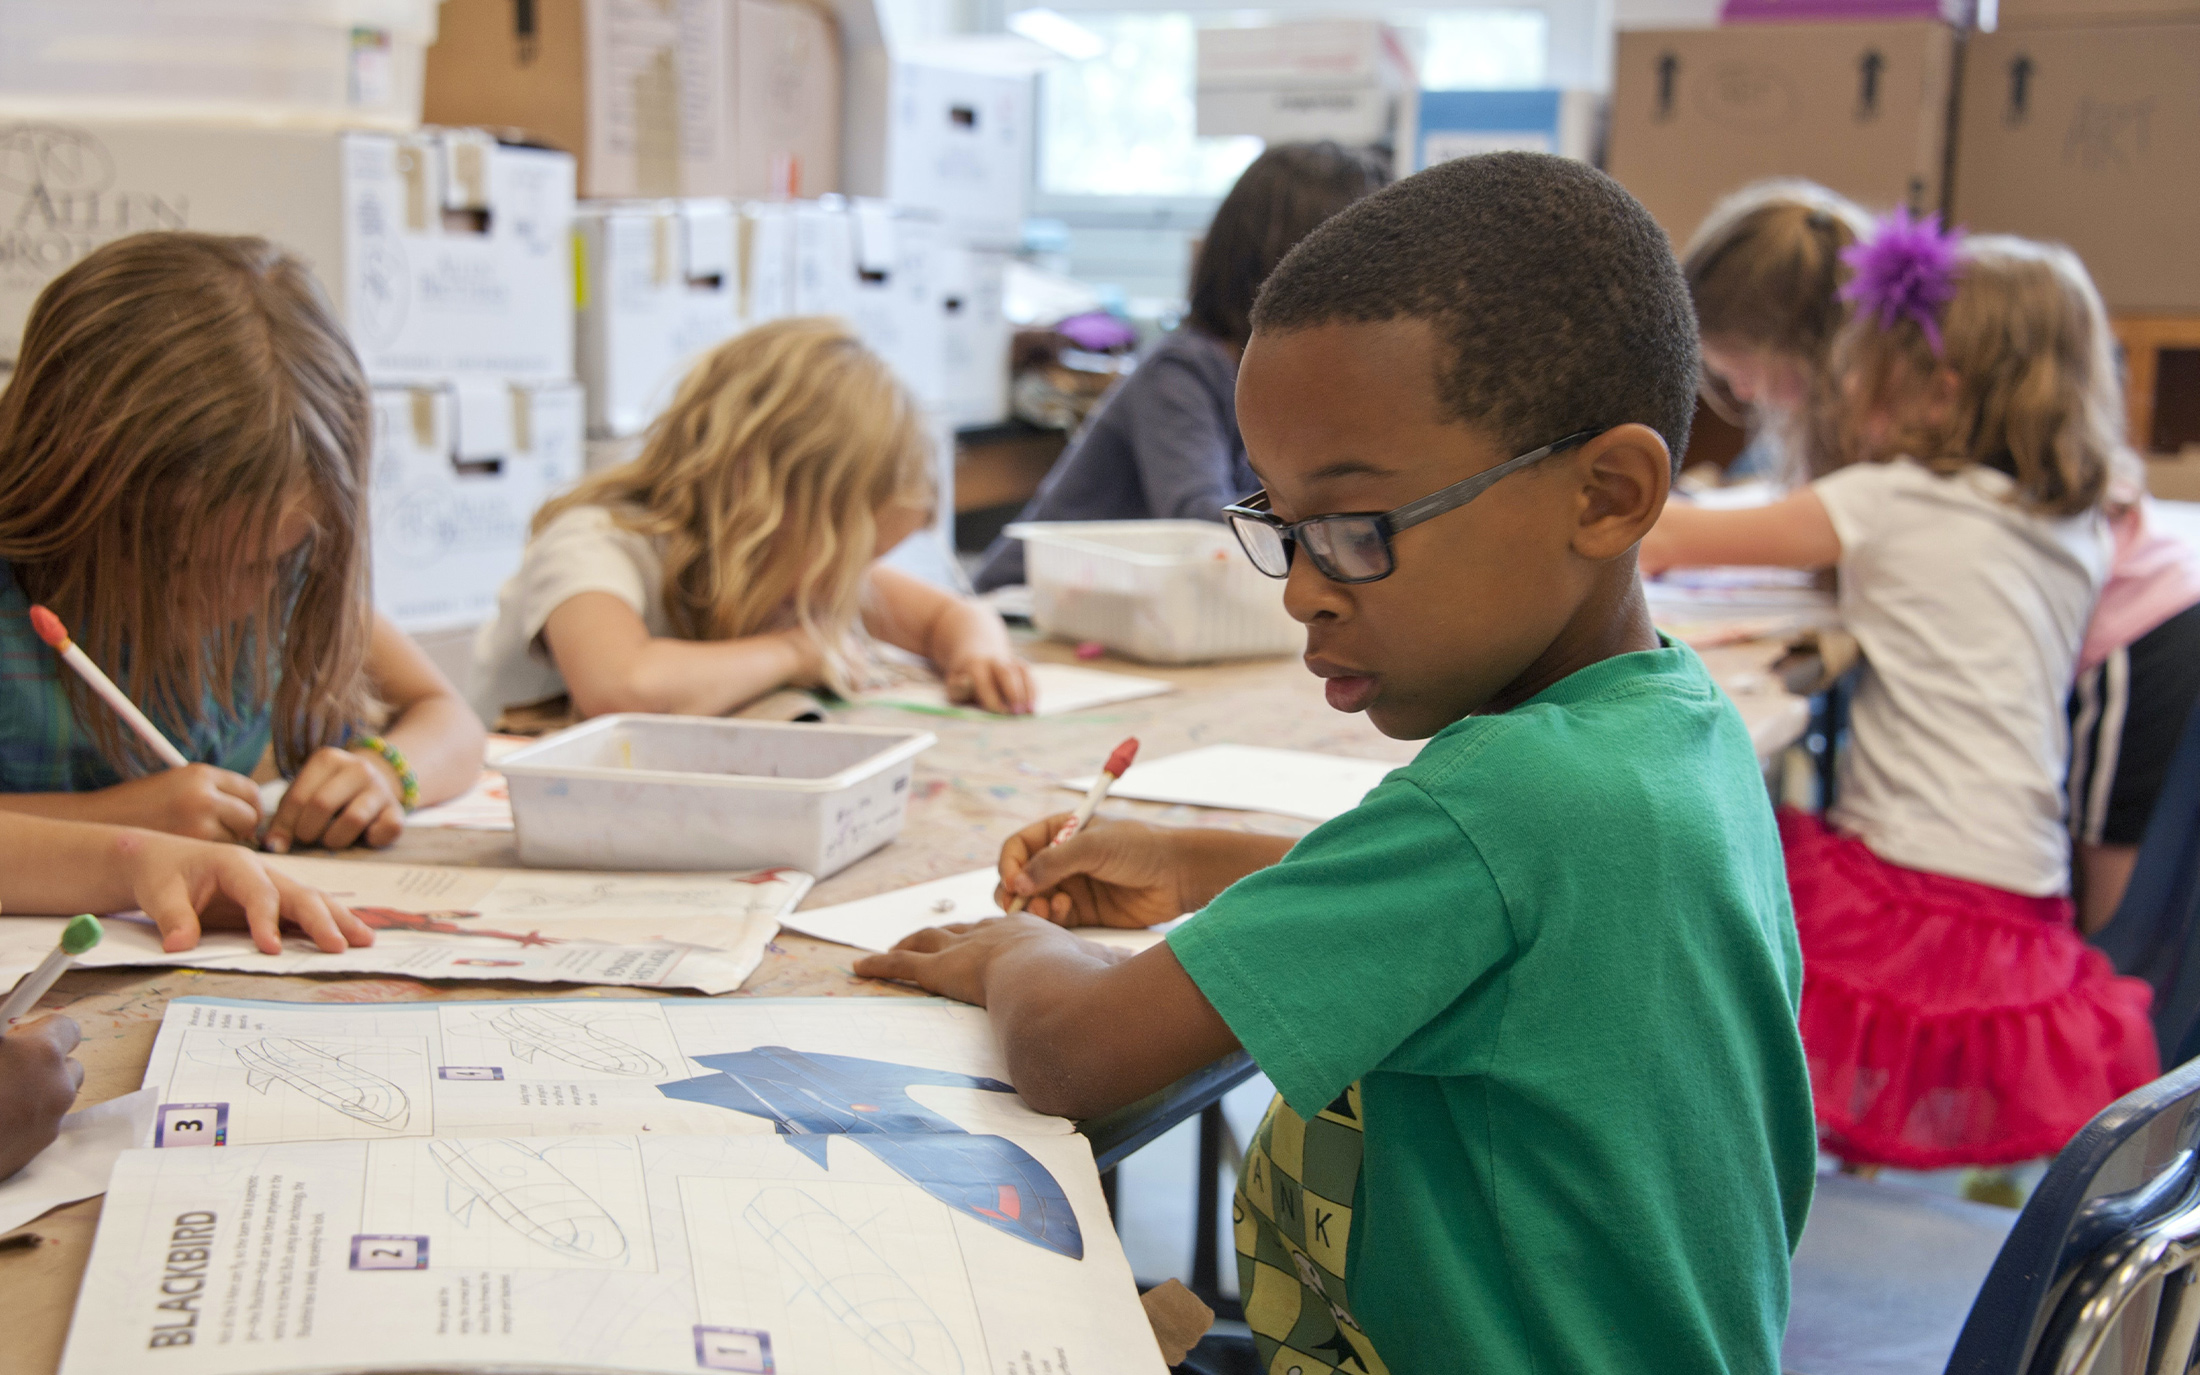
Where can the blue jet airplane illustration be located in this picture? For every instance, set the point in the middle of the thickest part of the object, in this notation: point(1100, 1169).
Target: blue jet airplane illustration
point(812, 1098)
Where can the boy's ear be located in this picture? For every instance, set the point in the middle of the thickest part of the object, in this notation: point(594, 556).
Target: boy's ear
point(1625, 474)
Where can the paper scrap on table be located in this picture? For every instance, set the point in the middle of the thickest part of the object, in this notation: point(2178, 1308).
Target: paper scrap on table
point(1251, 778)
point(78, 1162)
point(486, 806)
point(880, 922)
point(1062, 688)
point(700, 931)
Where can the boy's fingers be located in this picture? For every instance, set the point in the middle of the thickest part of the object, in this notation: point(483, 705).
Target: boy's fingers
point(928, 941)
point(1051, 866)
point(894, 964)
point(61, 1034)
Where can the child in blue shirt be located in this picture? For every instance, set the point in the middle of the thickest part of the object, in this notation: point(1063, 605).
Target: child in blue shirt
point(1530, 1007)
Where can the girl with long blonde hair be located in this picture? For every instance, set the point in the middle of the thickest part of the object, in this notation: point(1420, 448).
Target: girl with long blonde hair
point(183, 473)
point(738, 553)
point(1951, 1012)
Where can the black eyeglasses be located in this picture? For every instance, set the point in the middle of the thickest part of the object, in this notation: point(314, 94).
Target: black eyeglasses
point(1356, 547)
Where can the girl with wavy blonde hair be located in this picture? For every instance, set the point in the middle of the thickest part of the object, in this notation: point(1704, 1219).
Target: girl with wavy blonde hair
point(183, 480)
point(1951, 1012)
point(738, 553)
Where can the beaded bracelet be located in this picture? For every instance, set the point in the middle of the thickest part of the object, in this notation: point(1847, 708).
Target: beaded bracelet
point(408, 783)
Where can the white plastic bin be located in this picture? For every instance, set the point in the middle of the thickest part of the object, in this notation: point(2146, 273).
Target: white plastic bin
point(312, 63)
point(1165, 591)
point(702, 792)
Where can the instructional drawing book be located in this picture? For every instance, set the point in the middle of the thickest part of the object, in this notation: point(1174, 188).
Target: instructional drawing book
point(629, 1184)
point(252, 1073)
point(603, 1253)
point(1252, 778)
point(700, 931)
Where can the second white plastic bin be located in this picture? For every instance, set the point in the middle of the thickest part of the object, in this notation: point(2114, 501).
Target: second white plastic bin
point(694, 792)
point(1165, 591)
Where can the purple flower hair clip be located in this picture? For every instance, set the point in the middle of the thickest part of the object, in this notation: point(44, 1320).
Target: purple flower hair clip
point(1905, 270)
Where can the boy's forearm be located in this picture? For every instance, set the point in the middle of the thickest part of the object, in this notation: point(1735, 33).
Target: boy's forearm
point(1059, 1007)
point(1210, 860)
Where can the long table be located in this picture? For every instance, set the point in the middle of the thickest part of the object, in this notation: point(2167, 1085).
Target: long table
point(985, 777)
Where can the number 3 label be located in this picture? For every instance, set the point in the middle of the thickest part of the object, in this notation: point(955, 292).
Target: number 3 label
point(191, 1124)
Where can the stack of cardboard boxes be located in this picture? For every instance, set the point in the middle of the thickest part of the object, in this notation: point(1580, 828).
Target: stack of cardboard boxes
point(446, 255)
point(715, 139)
point(2080, 123)
point(2074, 121)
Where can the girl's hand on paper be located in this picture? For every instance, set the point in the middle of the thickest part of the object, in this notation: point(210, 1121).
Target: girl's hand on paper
point(999, 683)
point(198, 800)
point(38, 1083)
point(181, 884)
point(952, 960)
point(1112, 873)
point(339, 797)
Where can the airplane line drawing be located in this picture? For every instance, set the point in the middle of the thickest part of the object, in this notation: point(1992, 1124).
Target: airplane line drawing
point(531, 1196)
point(812, 1098)
point(546, 1031)
point(324, 1076)
point(853, 1283)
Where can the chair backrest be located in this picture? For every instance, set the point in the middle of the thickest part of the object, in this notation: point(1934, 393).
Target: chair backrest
point(2098, 1273)
point(2157, 925)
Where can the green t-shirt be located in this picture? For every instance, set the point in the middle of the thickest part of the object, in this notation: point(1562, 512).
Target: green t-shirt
point(1550, 968)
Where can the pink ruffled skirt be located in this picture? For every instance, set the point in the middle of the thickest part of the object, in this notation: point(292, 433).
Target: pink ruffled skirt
point(1948, 1022)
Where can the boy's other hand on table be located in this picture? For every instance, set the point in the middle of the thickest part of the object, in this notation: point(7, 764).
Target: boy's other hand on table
point(952, 960)
point(38, 1083)
point(1112, 873)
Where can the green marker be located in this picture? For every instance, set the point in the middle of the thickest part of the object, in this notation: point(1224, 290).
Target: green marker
point(80, 935)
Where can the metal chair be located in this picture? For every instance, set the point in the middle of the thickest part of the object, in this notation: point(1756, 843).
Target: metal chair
point(2152, 934)
point(2099, 1272)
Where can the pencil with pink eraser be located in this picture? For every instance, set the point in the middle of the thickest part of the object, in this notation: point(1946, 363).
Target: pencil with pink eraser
point(1118, 764)
point(54, 633)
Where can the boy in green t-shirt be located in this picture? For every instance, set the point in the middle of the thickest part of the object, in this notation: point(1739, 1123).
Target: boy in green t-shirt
point(1530, 1006)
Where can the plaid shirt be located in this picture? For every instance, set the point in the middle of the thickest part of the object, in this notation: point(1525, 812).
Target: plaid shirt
point(43, 748)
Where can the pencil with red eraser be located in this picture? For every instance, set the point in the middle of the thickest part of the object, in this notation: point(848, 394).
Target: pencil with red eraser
point(54, 633)
point(1118, 763)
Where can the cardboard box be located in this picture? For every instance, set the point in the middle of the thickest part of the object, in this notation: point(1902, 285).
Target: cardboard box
point(1342, 79)
point(655, 97)
point(1458, 124)
point(2032, 14)
point(975, 336)
point(2090, 137)
point(459, 470)
point(1862, 108)
point(444, 253)
point(660, 283)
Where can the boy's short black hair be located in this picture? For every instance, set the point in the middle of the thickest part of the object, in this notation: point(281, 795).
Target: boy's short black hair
point(1558, 297)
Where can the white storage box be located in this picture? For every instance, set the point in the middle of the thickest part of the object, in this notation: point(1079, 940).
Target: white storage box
point(1342, 79)
point(328, 64)
point(703, 792)
point(444, 253)
point(660, 284)
point(1165, 591)
point(458, 473)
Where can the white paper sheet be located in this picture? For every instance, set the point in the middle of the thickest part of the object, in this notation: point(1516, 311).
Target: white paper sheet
point(628, 1253)
point(78, 1162)
point(880, 922)
point(645, 1184)
point(486, 806)
point(1061, 688)
point(1251, 778)
point(700, 931)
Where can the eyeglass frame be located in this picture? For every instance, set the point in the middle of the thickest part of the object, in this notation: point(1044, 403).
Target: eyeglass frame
point(1387, 523)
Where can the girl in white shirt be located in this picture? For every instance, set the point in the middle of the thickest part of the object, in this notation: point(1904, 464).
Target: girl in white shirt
point(1951, 1012)
point(738, 553)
